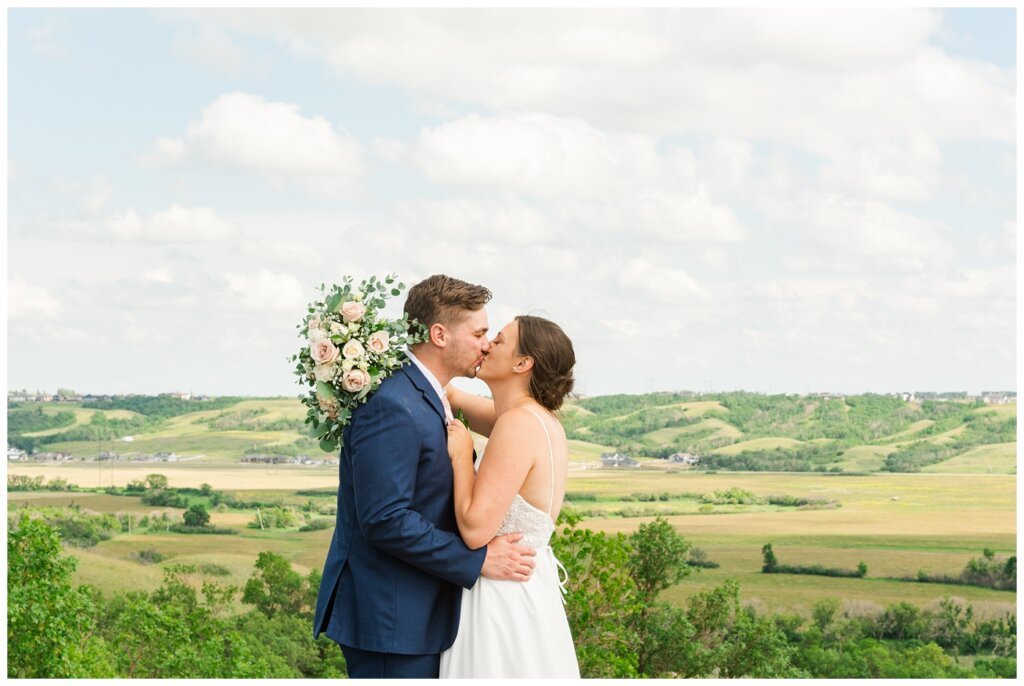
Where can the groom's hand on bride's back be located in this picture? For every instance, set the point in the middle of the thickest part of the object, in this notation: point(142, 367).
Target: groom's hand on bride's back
point(508, 561)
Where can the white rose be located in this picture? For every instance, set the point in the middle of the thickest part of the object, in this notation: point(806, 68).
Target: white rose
point(316, 335)
point(357, 296)
point(378, 342)
point(323, 351)
point(354, 380)
point(352, 311)
point(324, 372)
point(338, 329)
point(347, 364)
point(353, 349)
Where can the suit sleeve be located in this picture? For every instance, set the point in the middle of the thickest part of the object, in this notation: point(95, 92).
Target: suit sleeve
point(385, 452)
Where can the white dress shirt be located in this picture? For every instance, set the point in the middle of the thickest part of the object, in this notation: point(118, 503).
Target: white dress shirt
point(436, 385)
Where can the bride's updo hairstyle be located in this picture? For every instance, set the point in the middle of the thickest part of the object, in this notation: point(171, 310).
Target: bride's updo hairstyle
point(553, 359)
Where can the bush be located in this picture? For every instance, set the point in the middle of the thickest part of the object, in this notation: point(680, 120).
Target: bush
point(185, 529)
point(318, 524)
point(273, 518)
point(147, 557)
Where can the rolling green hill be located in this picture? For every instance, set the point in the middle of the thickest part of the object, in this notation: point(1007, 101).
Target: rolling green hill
point(730, 431)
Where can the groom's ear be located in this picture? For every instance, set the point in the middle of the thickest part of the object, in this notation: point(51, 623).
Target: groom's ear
point(438, 335)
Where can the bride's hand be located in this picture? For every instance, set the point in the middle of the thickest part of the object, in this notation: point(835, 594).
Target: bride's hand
point(460, 442)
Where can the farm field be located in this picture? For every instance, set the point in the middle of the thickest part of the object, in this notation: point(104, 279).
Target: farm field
point(896, 523)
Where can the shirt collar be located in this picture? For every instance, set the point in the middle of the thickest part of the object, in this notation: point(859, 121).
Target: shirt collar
point(434, 383)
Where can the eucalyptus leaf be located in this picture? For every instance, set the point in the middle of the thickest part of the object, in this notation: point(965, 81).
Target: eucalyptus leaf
point(325, 389)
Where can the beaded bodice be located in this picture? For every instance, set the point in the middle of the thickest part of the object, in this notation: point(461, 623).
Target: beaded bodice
point(535, 525)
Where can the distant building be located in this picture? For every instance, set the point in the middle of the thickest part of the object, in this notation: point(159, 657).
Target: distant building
point(269, 459)
point(127, 439)
point(52, 457)
point(178, 395)
point(15, 455)
point(108, 456)
point(684, 458)
point(617, 460)
point(166, 457)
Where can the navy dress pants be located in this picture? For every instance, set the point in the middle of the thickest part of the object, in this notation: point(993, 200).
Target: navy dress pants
point(366, 664)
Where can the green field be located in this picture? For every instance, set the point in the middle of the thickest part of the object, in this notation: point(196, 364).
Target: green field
point(896, 523)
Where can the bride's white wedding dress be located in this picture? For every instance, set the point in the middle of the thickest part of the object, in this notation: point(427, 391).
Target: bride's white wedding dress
point(513, 629)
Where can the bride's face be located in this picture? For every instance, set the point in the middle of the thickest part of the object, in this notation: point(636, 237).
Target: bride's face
point(502, 353)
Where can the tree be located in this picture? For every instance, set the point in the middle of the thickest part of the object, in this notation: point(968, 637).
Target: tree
point(196, 515)
point(50, 624)
point(205, 489)
point(277, 588)
point(156, 481)
point(770, 561)
point(657, 561)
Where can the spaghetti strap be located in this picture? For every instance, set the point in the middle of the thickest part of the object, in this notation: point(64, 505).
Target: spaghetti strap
point(551, 458)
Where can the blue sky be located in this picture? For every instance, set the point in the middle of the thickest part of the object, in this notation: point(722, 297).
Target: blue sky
point(705, 199)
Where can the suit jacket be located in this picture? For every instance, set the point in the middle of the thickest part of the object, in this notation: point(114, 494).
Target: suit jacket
point(394, 574)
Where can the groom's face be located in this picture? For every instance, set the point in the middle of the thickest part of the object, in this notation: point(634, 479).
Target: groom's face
point(467, 343)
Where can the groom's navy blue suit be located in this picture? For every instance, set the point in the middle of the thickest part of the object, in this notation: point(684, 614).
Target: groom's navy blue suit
point(394, 574)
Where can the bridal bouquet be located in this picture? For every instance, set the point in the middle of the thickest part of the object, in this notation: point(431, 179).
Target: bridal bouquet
point(349, 349)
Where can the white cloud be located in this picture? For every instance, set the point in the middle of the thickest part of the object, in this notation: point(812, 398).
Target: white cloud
point(534, 153)
point(211, 47)
point(665, 284)
point(267, 291)
point(290, 253)
point(43, 38)
point(272, 139)
point(176, 224)
point(159, 276)
point(27, 302)
point(851, 227)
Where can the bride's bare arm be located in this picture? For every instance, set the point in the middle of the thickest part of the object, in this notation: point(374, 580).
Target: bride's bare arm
point(482, 499)
point(479, 411)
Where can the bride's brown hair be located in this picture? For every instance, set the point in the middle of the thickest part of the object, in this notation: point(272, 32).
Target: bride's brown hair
point(553, 359)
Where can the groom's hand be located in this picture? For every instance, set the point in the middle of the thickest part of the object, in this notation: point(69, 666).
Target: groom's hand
point(507, 561)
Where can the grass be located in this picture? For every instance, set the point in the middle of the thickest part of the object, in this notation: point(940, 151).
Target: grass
point(865, 458)
point(896, 523)
point(759, 444)
point(997, 458)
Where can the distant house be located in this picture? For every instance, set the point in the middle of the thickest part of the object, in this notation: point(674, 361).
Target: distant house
point(684, 458)
point(51, 457)
point(907, 397)
point(177, 395)
point(14, 455)
point(166, 457)
point(127, 439)
point(269, 459)
point(617, 460)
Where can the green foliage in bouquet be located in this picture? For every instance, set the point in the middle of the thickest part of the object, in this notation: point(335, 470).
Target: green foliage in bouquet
point(349, 350)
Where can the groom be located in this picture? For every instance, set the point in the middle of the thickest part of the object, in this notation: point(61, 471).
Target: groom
point(393, 579)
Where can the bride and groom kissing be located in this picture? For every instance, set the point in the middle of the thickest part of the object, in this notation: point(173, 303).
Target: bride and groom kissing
point(439, 567)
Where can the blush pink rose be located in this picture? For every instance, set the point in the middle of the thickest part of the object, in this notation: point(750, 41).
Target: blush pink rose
point(352, 311)
point(378, 342)
point(354, 380)
point(353, 349)
point(323, 351)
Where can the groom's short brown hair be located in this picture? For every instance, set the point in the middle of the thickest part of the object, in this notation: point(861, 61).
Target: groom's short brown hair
point(444, 299)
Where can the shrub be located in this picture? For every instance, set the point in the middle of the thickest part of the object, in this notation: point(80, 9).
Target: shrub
point(318, 524)
point(147, 557)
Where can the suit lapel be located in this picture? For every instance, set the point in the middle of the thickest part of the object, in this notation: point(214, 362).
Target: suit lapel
point(424, 387)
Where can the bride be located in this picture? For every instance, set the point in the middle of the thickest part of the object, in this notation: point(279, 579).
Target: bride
point(514, 629)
